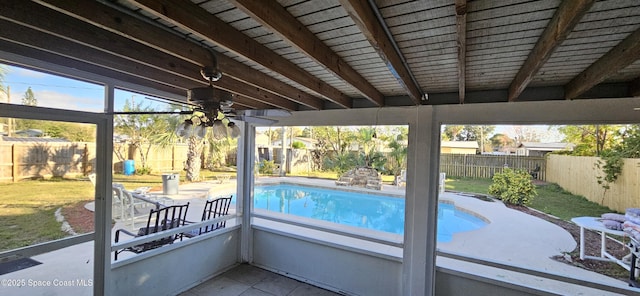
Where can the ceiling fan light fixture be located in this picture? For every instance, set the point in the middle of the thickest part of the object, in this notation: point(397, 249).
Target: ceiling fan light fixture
point(200, 131)
point(219, 129)
point(184, 129)
point(235, 130)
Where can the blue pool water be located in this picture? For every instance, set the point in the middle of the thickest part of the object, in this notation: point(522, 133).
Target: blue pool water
point(383, 213)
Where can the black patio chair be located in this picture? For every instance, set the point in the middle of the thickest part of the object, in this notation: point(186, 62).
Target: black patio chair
point(212, 209)
point(159, 220)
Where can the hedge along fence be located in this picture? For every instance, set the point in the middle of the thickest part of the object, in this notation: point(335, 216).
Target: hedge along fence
point(579, 175)
point(485, 166)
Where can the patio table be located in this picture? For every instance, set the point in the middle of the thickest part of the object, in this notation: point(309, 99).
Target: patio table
point(594, 223)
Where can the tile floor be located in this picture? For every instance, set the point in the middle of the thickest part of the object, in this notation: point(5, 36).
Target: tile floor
point(247, 280)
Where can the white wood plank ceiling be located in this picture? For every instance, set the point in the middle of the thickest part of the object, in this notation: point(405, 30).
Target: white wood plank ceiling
point(327, 54)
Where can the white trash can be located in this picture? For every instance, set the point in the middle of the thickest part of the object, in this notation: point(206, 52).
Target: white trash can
point(170, 183)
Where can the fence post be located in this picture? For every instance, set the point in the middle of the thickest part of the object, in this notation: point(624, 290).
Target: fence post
point(85, 160)
point(173, 157)
point(14, 161)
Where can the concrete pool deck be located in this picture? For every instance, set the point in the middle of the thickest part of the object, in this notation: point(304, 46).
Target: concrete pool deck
point(511, 237)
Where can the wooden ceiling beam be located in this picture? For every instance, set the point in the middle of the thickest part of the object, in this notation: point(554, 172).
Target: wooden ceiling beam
point(634, 87)
point(114, 50)
point(619, 57)
point(38, 54)
point(365, 18)
point(272, 15)
point(104, 45)
point(564, 20)
point(131, 27)
point(249, 102)
point(461, 26)
point(196, 20)
point(40, 40)
point(258, 94)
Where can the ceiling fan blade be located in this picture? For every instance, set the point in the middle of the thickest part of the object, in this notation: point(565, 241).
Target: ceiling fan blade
point(265, 113)
point(255, 120)
point(186, 112)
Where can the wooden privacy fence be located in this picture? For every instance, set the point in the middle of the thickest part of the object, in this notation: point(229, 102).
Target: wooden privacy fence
point(44, 159)
point(26, 160)
point(485, 166)
point(160, 159)
point(578, 175)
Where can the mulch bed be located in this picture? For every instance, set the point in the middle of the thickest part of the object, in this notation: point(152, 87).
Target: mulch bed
point(80, 219)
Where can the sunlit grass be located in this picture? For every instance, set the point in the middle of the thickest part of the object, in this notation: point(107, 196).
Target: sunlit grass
point(28, 207)
point(551, 198)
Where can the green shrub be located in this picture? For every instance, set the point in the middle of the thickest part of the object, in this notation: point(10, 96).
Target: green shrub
point(513, 187)
point(266, 167)
point(298, 145)
point(145, 170)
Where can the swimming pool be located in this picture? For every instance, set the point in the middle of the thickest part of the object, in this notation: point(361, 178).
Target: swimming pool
point(378, 212)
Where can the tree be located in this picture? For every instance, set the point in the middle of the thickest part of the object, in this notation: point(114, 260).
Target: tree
point(143, 130)
point(365, 138)
point(29, 99)
point(331, 142)
point(525, 134)
point(218, 150)
point(611, 161)
point(591, 140)
point(194, 158)
point(451, 132)
point(398, 152)
point(501, 141)
point(478, 133)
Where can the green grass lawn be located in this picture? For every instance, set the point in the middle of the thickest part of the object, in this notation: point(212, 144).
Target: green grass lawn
point(551, 199)
point(27, 215)
point(27, 208)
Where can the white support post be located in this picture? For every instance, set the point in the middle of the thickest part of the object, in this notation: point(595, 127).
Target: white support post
point(102, 214)
point(244, 198)
point(419, 255)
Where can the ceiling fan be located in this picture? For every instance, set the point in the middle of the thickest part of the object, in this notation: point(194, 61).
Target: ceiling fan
point(213, 101)
point(212, 107)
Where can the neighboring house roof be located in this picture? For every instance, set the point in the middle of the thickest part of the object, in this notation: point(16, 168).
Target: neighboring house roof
point(460, 144)
point(30, 133)
point(34, 140)
point(546, 146)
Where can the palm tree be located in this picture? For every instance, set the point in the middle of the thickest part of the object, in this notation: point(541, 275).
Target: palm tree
point(194, 158)
point(218, 150)
point(143, 130)
point(399, 154)
point(365, 137)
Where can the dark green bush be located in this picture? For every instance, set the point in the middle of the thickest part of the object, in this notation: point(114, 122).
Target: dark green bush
point(513, 187)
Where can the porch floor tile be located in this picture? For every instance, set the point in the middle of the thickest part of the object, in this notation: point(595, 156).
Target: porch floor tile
point(247, 280)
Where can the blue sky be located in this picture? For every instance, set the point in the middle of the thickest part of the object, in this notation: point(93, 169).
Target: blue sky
point(62, 93)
